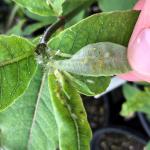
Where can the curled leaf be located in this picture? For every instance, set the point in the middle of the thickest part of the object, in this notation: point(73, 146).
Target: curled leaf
point(89, 86)
point(100, 59)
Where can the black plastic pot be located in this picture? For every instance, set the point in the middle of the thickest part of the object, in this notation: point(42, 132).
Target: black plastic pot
point(97, 111)
point(4, 12)
point(117, 139)
point(145, 122)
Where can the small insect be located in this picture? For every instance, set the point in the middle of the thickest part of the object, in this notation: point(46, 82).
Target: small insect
point(100, 59)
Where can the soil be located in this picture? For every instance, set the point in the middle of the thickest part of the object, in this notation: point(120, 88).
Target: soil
point(117, 139)
point(103, 113)
point(97, 111)
point(116, 99)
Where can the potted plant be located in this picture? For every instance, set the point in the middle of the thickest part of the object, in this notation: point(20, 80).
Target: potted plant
point(116, 138)
point(43, 77)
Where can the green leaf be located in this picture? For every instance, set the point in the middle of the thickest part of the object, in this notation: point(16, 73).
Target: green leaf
point(17, 29)
point(76, 19)
point(56, 5)
point(32, 119)
point(34, 27)
point(100, 59)
point(74, 131)
point(29, 123)
point(39, 18)
point(136, 100)
point(17, 66)
point(111, 5)
point(130, 91)
point(147, 146)
point(89, 86)
point(42, 7)
point(115, 27)
point(70, 5)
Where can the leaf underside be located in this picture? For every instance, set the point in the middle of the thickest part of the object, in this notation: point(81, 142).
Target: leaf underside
point(45, 121)
point(17, 66)
point(29, 123)
point(100, 59)
point(74, 131)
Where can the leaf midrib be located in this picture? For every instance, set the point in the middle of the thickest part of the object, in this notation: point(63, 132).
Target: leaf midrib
point(14, 60)
point(35, 110)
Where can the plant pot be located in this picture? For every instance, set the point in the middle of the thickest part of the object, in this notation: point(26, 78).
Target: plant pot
point(145, 122)
point(97, 111)
point(4, 12)
point(117, 139)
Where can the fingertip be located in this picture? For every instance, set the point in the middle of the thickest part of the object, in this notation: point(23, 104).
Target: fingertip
point(139, 53)
point(130, 76)
point(139, 5)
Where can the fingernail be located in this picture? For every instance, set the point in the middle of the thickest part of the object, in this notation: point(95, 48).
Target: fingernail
point(139, 53)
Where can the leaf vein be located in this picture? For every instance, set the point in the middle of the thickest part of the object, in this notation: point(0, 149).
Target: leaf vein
point(36, 108)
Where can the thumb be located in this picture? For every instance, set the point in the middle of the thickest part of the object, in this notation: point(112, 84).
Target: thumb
point(139, 45)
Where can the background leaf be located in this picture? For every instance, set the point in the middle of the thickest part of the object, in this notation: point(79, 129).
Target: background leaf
point(16, 29)
point(130, 91)
point(41, 7)
point(56, 5)
point(111, 5)
point(17, 66)
point(30, 123)
point(70, 5)
point(34, 27)
point(40, 18)
point(74, 131)
point(76, 19)
point(147, 147)
point(136, 100)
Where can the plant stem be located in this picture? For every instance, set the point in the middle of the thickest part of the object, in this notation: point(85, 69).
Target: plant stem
point(62, 20)
point(51, 29)
point(54, 27)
